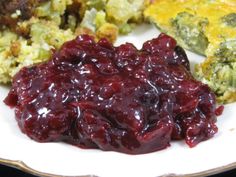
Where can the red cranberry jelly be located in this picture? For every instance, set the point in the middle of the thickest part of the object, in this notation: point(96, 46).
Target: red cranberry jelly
point(95, 95)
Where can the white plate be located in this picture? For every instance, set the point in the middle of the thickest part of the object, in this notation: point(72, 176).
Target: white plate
point(64, 159)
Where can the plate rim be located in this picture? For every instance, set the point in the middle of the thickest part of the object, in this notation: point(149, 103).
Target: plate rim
point(18, 164)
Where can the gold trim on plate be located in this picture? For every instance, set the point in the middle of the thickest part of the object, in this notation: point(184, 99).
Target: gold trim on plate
point(22, 166)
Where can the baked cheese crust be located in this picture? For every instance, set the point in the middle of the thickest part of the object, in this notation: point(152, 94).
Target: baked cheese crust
point(207, 27)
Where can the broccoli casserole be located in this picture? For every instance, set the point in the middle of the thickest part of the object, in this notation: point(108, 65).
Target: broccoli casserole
point(207, 27)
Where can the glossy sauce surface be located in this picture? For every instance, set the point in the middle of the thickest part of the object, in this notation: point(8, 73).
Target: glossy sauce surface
point(95, 95)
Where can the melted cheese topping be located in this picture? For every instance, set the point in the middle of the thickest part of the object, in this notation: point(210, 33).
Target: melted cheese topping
point(162, 11)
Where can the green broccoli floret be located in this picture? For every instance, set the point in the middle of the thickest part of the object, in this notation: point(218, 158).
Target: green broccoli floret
point(230, 19)
point(227, 51)
point(190, 30)
point(219, 72)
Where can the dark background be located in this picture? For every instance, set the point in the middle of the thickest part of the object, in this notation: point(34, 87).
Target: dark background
point(11, 172)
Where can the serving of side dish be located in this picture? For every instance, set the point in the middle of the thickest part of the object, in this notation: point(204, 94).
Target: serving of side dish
point(47, 159)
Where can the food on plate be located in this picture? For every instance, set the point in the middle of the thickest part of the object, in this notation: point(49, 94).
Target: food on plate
point(95, 95)
point(200, 25)
point(30, 29)
point(219, 72)
point(13, 11)
point(17, 51)
point(207, 28)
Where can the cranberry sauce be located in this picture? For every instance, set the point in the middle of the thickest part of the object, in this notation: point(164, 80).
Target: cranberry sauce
point(95, 95)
